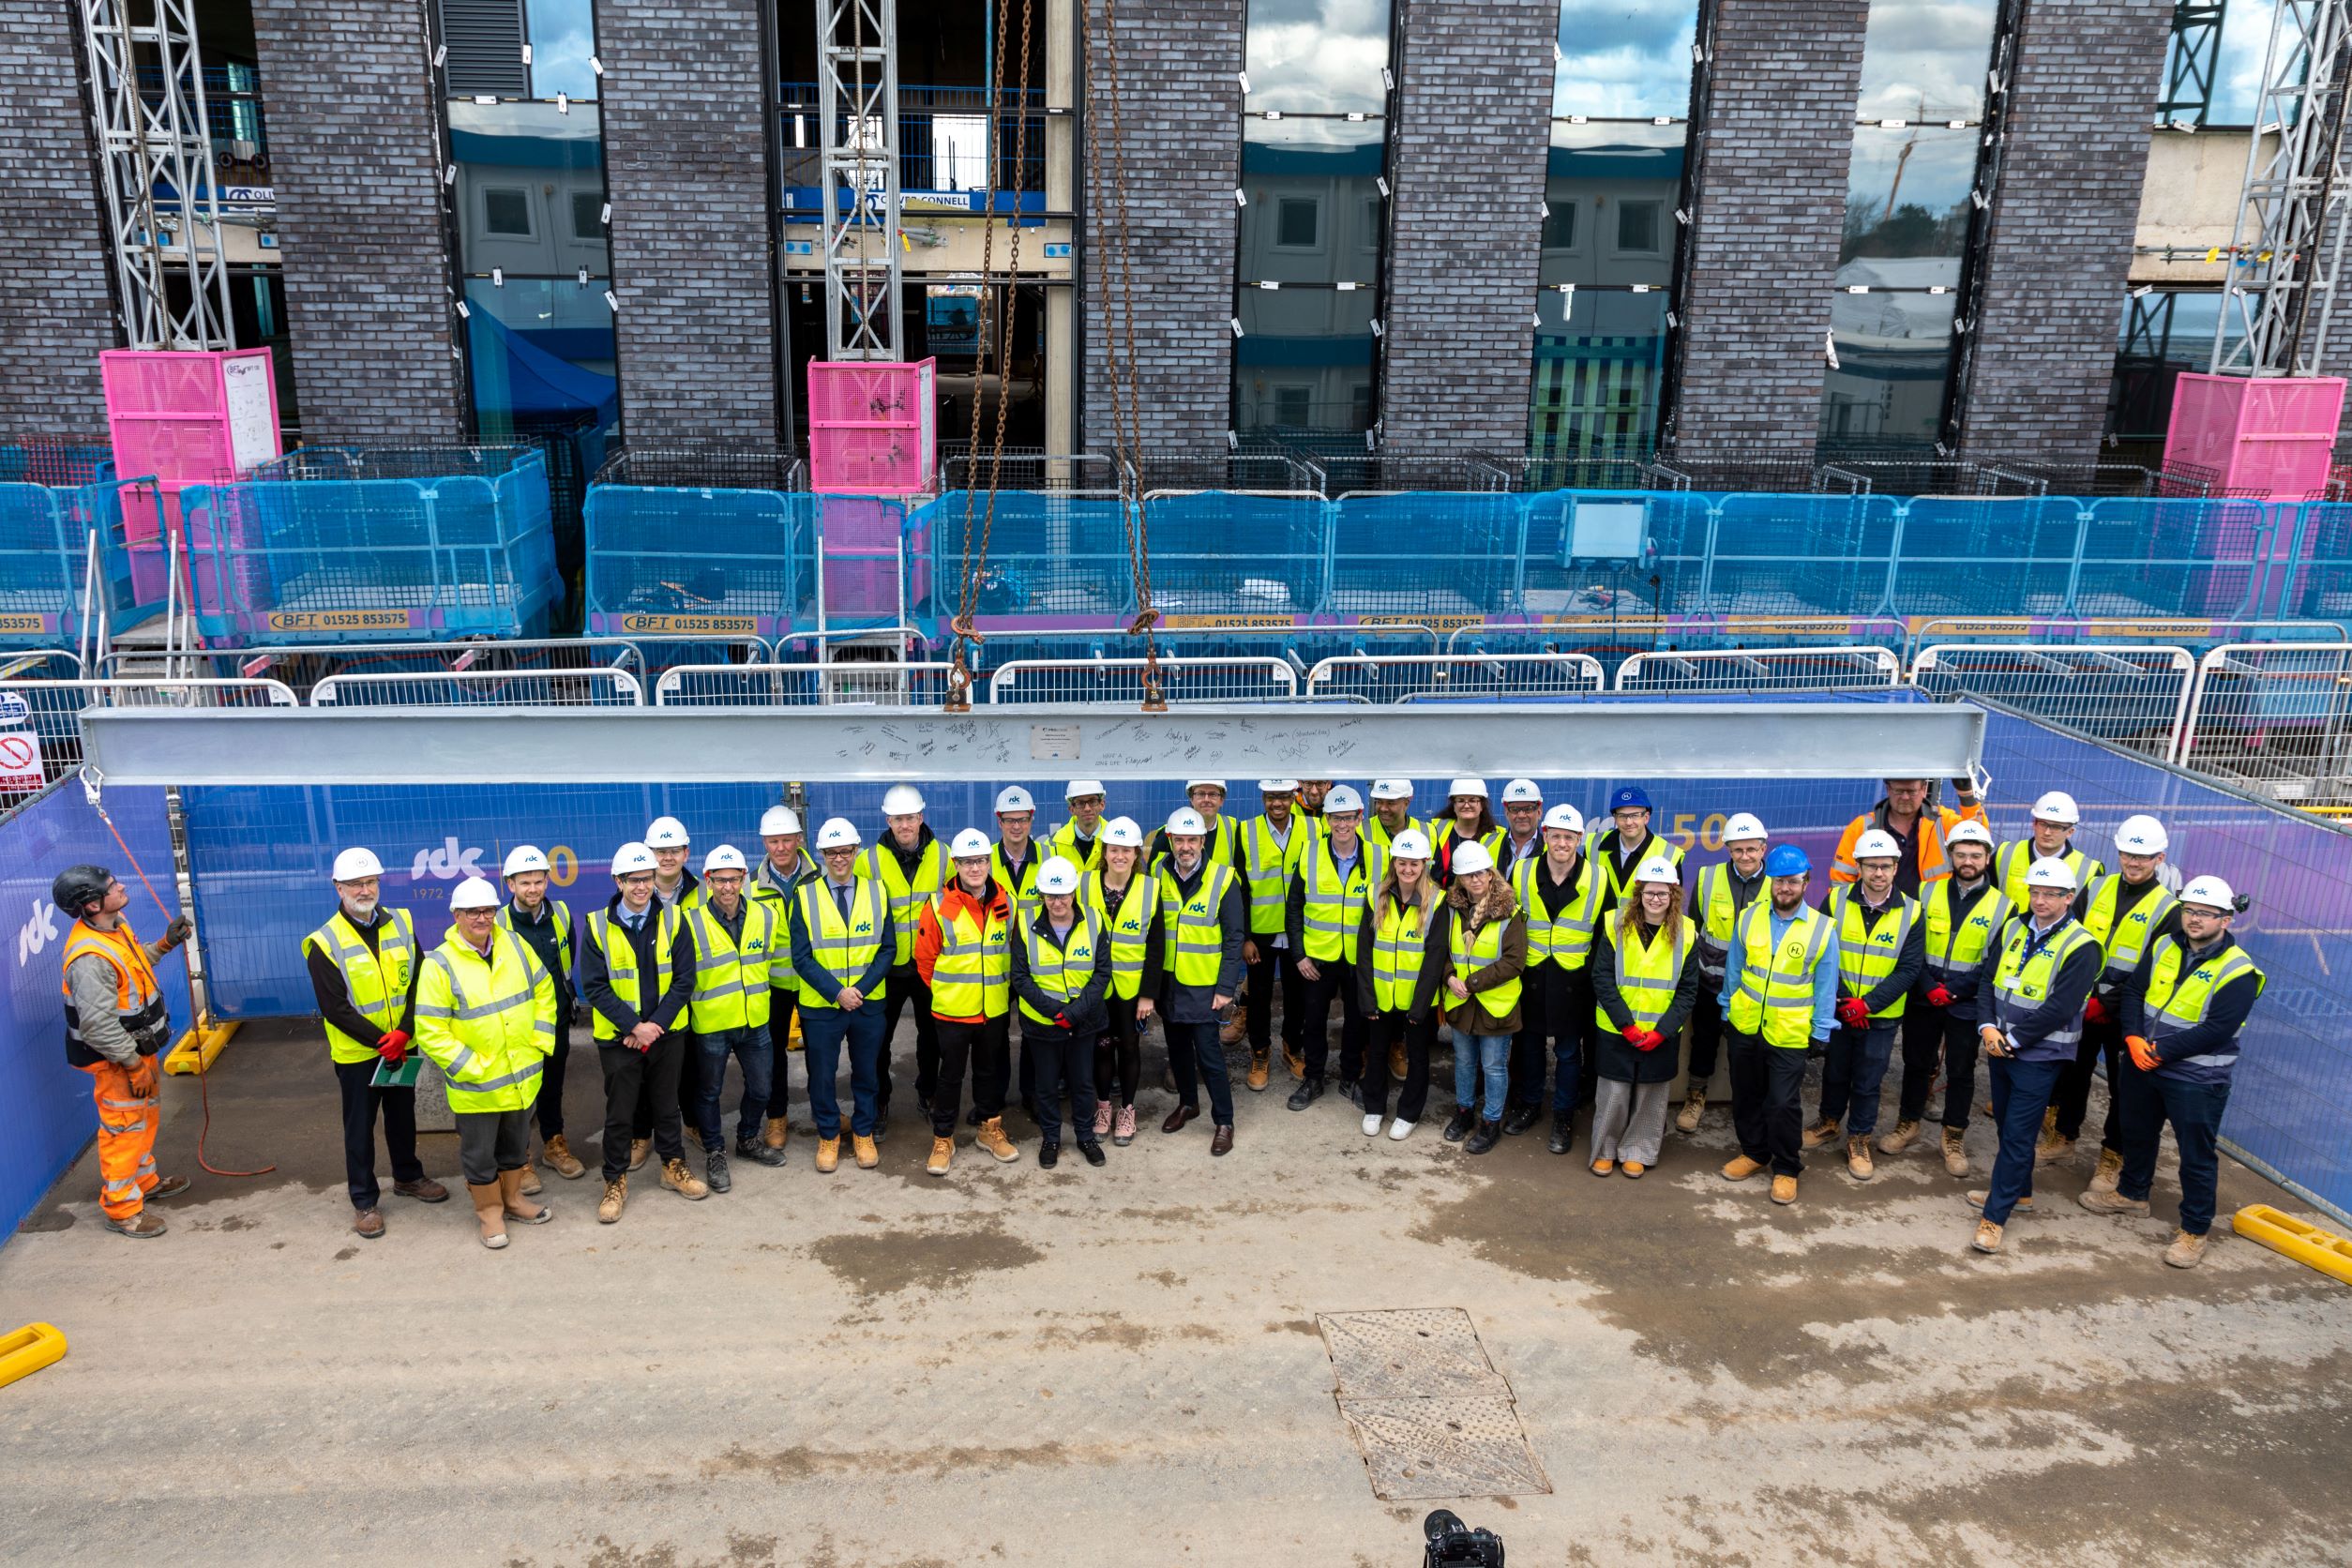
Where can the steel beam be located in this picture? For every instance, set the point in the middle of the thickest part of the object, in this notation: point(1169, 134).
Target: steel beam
point(565, 746)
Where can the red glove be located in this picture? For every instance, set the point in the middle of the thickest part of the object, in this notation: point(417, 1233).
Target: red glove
point(1632, 1032)
point(1938, 997)
point(393, 1048)
point(1853, 1014)
point(1650, 1040)
point(1062, 1020)
point(2094, 1010)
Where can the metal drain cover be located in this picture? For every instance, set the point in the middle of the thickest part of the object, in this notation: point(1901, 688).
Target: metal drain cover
point(1413, 1352)
point(1427, 1409)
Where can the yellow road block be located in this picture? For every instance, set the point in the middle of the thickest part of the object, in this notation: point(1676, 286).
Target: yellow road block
point(28, 1349)
point(2324, 1250)
point(196, 1049)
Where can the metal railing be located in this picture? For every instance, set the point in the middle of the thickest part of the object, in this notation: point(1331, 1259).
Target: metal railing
point(1737, 672)
point(481, 688)
point(52, 709)
point(2275, 718)
point(2132, 696)
point(303, 666)
point(1120, 680)
point(1712, 633)
point(1411, 677)
point(879, 683)
point(2115, 630)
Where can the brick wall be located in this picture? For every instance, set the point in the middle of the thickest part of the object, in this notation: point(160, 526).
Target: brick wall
point(1786, 75)
point(56, 313)
point(2062, 227)
point(1474, 125)
point(356, 157)
point(685, 163)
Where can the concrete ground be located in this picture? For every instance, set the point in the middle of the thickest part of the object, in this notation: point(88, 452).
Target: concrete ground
point(1015, 1366)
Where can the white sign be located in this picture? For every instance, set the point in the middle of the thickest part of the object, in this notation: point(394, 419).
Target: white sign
point(21, 761)
point(246, 397)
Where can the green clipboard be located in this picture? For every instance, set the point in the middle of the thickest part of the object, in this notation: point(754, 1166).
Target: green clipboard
point(402, 1077)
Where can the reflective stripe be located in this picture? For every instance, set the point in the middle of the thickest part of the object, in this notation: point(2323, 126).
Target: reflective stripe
point(1195, 944)
point(973, 975)
point(1565, 938)
point(1644, 984)
point(1063, 975)
point(2122, 935)
point(1128, 928)
point(1864, 961)
point(2020, 985)
point(521, 1074)
point(1400, 941)
point(2213, 1059)
point(844, 949)
point(2177, 1001)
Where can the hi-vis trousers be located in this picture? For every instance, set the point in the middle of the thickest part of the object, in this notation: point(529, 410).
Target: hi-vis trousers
point(126, 1140)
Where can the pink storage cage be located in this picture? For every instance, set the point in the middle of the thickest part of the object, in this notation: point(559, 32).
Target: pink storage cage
point(183, 417)
point(872, 426)
point(2266, 438)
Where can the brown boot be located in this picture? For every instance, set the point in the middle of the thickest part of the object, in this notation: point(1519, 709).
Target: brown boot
point(1694, 1108)
point(1988, 1236)
point(1398, 1063)
point(143, 1225)
point(516, 1202)
point(2113, 1203)
point(684, 1182)
point(828, 1155)
point(616, 1194)
point(943, 1155)
point(1258, 1071)
point(1904, 1134)
point(774, 1131)
point(490, 1212)
point(1784, 1190)
point(868, 1156)
point(2186, 1251)
point(639, 1150)
point(1236, 1022)
point(990, 1136)
point(529, 1179)
point(2109, 1175)
point(2052, 1148)
point(560, 1159)
point(1955, 1153)
point(1294, 1061)
point(1741, 1169)
point(1821, 1133)
point(1857, 1164)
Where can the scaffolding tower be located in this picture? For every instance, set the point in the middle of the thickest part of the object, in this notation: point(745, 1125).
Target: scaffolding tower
point(857, 116)
point(2189, 66)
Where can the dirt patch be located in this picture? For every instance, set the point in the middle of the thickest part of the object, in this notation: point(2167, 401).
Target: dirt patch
point(929, 1258)
point(803, 1463)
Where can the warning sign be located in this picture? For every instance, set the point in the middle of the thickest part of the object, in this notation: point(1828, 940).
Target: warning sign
point(19, 761)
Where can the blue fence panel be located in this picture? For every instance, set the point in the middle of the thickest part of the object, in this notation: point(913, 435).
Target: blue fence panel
point(40, 566)
point(2315, 583)
point(1048, 554)
point(1423, 553)
point(1220, 552)
point(1987, 556)
point(2163, 558)
point(1801, 554)
point(690, 562)
point(1679, 526)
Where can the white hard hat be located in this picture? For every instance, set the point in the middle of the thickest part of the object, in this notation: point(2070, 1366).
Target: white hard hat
point(1013, 798)
point(1277, 786)
point(475, 893)
point(2058, 807)
point(1185, 820)
point(2142, 835)
point(1566, 817)
point(839, 833)
point(2212, 893)
point(902, 800)
point(1658, 869)
point(1969, 832)
point(1470, 855)
point(1084, 787)
point(1124, 831)
point(970, 844)
point(726, 857)
point(2050, 872)
point(632, 856)
point(1412, 844)
point(1522, 791)
point(352, 865)
point(1878, 844)
point(778, 820)
point(1217, 784)
point(1744, 826)
point(1343, 797)
point(1466, 787)
point(1057, 875)
point(523, 857)
point(667, 833)
point(1392, 789)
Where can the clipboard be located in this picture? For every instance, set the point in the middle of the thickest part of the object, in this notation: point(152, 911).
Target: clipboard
point(402, 1077)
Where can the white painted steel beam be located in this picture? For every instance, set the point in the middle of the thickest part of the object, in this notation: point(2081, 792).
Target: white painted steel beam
point(557, 745)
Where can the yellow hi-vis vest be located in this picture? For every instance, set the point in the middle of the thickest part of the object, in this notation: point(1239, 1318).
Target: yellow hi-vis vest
point(1267, 863)
point(878, 863)
point(2124, 937)
point(1400, 941)
point(844, 948)
point(1333, 911)
point(769, 886)
point(376, 978)
point(1564, 939)
point(1444, 830)
point(973, 975)
point(730, 979)
point(1129, 926)
point(1060, 973)
point(1648, 972)
point(1619, 880)
point(2177, 1001)
point(2021, 984)
point(1956, 940)
point(1775, 995)
point(488, 1027)
point(1065, 842)
point(1718, 906)
point(2014, 859)
point(1472, 953)
point(620, 964)
point(1194, 950)
point(1867, 947)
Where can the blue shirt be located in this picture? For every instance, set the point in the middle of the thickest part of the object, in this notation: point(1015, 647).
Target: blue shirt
point(1824, 971)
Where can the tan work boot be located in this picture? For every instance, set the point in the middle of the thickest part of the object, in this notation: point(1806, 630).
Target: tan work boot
point(560, 1159)
point(639, 1150)
point(143, 1225)
point(1857, 1164)
point(1904, 1134)
point(868, 1156)
point(1821, 1132)
point(1784, 1190)
point(1976, 1200)
point(1236, 1023)
point(1741, 1169)
point(774, 1131)
point(1294, 1061)
point(1988, 1236)
point(1398, 1063)
point(616, 1194)
point(2186, 1251)
point(2052, 1148)
point(990, 1136)
point(684, 1182)
point(828, 1155)
point(511, 1193)
point(942, 1151)
point(2112, 1204)
point(1955, 1153)
point(490, 1212)
point(1258, 1069)
point(529, 1177)
point(2109, 1175)
point(1694, 1107)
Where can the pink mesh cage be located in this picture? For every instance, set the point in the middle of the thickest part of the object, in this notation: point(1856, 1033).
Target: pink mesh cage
point(193, 417)
point(2266, 438)
point(872, 426)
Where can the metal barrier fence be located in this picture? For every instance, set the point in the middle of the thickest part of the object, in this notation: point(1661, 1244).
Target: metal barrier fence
point(1611, 638)
point(2126, 695)
point(1736, 672)
point(719, 562)
point(50, 709)
point(1403, 678)
point(58, 544)
point(477, 688)
point(302, 666)
point(2275, 718)
point(1120, 680)
point(798, 686)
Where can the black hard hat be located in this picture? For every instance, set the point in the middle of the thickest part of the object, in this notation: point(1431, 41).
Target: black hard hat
point(78, 886)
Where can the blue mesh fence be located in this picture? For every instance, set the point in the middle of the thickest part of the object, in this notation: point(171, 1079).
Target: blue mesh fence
point(1800, 554)
point(1220, 552)
point(2171, 558)
point(1426, 553)
point(1961, 555)
point(1050, 553)
point(674, 561)
point(44, 534)
point(2317, 577)
point(1555, 583)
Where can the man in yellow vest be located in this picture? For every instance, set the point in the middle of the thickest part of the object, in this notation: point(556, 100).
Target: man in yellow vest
point(1522, 827)
point(1559, 894)
point(675, 887)
point(786, 865)
point(842, 941)
point(545, 926)
point(909, 864)
point(1204, 911)
point(1271, 843)
point(1780, 991)
point(485, 1018)
point(115, 1023)
point(1391, 811)
point(1220, 835)
point(1880, 952)
point(637, 974)
point(1962, 913)
point(363, 965)
point(1323, 917)
point(2181, 1011)
point(961, 950)
point(1079, 841)
point(2126, 911)
point(734, 937)
point(1718, 896)
point(2032, 983)
point(1061, 972)
point(1628, 842)
point(2052, 836)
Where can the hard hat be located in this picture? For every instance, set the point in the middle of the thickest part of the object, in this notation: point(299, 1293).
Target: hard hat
point(667, 833)
point(1343, 797)
point(2210, 892)
point(523, 857)
point(1277, 786)
point(970, 844)
point(1786, 860)
point(1878, 844)
point(778, 820)
point(1013, 798)
point(475, 893)
point(77, 886)
point(2050, 872)
point(1969, 832)
point(1079, 787)
point(1392, 789)
point(1565, 816)
point(352, 865)
point(726, 857)
point(2058, 807)
point(1185, 820)
point(1466, 787)
point(2142, 835)
point(839, 833)
point(1522, 791)
point(1057, 875)
point(1629, 795)
point(1124, 832)
point(1217, 784)
point(1743, 827)
point(1470, 855)
point(633, 856)
point(1658, 869)
point(1412, 844)
point(902, 800)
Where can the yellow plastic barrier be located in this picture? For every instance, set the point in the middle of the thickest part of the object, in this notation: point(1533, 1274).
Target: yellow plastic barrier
point(196, 1049)
point(2324, 1250)
point(28, 1349)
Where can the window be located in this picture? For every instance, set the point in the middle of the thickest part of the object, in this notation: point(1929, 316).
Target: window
point(1292, 404)
point(506, 210)
point(1637, 227)
point(587, 215)
point(1559, 226)
point(1296, 223)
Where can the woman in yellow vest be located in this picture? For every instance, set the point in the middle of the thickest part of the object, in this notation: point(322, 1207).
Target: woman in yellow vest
point(1126, 902)
point(1645, 981)
point(1398, 971)
point(1485, 937)
point(961, 952)
point(1061, 972)
point(1469, 818)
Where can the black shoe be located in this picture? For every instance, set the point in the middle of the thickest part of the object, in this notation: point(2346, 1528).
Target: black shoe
point(1485, 1137)
point(1092, 1150)
point(1563, 1132)
point(1048, 1155)
point(757, 1152)
point(715, 1171)
point(1309, 1091)
point(1459, 1126)
point(882, 1121)
point(1354, 1091)
point(1518, 1118)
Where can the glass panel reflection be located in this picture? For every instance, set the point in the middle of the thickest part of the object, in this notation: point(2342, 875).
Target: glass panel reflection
point(1907, 193)
point(1314, 211)
point(1600, 357)
point(1303, 360)
point(1317, 57)
point(1895, 355)
point(1926, 59)
point(1612, 191)
point(526, 175)
point(563, 36)
point(2160, 336)
point(542, 353)
point(1624, 59)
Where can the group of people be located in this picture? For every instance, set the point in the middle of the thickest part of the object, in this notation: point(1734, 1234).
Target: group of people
point(1567, 968)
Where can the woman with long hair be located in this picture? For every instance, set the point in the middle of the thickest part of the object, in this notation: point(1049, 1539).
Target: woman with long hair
point(1468, 818)
point(1398, 970)
point(1126, 905)
point(1645, 979)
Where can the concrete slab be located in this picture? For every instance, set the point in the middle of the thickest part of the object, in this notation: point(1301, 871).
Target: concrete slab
point(1014, 1366)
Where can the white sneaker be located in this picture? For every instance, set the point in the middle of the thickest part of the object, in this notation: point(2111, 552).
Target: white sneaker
point(1372, 1127)
point(1400, 1129)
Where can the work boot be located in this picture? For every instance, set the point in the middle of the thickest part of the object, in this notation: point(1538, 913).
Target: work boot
point(1102, 1118)
point(1784, 1190)
point(2052, 1148)
point(489, 1213)
point(1236, 1024)
point(715, 1171)
point(140, 1226)
point(1977, 1197)
point(992, 1137)
point(2112, 1204)
point(774, 1131)
point(1955, 1153)
point(1048, 1154)
point(1904, 1134)
point(1259, 1073)
point(529, 1177)
point(757, 1152)
point(1518, 1118)
point(1686, 1120)
point(2186, 1251)
point(1741, 1168)
point(424, 1189)
point(868, 1156)
point(1988, 1236)
point(2109, 1175)
point(828, 1155)
point(1459, 1126)
point(1398, 1063)
point(512, 1195)
point(640, 1149)
point(1563, 1131)
point(1122, 1127)
point(1857, 1164)
point(1604, 1167)
point(1295, 1060)
point(678, 1179)
point(1821, 1132)
point(1306, 1093)
point(172, 1187)
point(1485, 1137)
point(560, 1159)
point(367, 1223)
point(616, 1194)
point(942, 1151)
point(1093, 1149)
point(1632, 1168)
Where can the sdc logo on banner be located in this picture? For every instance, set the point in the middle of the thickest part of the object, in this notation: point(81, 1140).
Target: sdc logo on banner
point(453, 859)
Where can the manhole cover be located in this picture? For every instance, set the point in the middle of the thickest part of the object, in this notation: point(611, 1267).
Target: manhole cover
point(1419, 1352)
point(1429, 1413)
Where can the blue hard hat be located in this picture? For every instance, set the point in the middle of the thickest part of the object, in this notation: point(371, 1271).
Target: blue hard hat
point(1627, 797)
point(1786, 860)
